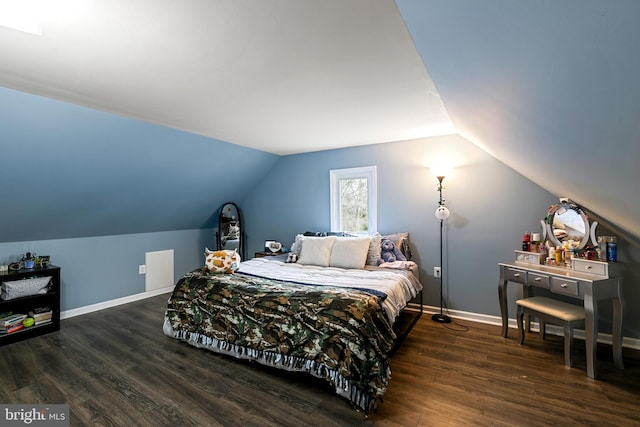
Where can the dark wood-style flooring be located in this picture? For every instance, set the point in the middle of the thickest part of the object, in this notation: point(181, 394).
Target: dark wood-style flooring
point(115, 367)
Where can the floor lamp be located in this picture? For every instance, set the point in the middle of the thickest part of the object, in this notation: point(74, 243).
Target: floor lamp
point(442, 213)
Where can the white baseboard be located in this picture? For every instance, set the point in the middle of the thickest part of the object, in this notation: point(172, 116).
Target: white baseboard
point(113, 303)
point(633, 343)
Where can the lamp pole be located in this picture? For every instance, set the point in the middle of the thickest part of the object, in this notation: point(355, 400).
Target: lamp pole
point(441, 213)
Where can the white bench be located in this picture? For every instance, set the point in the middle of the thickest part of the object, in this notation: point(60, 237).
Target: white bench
point(552, 311)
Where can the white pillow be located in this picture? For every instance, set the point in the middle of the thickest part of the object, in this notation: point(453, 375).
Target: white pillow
point(316, 250)
point(350, 252)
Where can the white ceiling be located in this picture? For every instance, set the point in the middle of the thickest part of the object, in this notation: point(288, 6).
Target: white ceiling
point(283, 76)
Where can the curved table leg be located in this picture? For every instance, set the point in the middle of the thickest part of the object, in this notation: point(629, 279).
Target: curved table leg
point(504, 310)
point(618, 306)
point(590, 332)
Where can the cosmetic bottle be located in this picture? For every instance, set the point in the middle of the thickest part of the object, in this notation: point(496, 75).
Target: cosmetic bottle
point(526, 239)
point(602, 247)
point(612, 250)
point(542, 248)
point(28, 261)
point(535, 242)
point(558, 255)
point(568, 254)
point(551, 259)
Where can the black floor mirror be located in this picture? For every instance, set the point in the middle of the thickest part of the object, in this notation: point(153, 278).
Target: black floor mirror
point(230, 234)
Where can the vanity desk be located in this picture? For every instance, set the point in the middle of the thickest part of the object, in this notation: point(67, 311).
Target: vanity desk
point(590, 288)
point(590, 281)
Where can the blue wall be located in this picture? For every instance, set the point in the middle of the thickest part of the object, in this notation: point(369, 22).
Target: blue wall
point(99, 269)
point(97, 191)
point(69, 171)
point(481, 192)
point(491, 204)
point(544, 85)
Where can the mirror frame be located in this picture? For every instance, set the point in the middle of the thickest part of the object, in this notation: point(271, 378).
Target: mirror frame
point(564, 206)
point(240, 225)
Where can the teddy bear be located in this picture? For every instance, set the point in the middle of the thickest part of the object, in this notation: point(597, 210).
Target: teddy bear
point(389, 252)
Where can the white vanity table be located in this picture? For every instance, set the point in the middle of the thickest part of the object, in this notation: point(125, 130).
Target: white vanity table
point(586, 280)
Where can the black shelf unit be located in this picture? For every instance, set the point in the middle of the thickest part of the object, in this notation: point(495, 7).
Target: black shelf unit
point(23, 305)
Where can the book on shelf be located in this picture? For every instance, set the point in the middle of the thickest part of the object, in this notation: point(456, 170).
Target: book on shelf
point(39, 310)
point(12, 323)
point(10, 320)
point(41, 314)
point(14, 328)
point(38, 320)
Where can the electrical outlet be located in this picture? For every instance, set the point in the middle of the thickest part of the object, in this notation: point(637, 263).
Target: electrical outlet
point(142, 269)
point(437, 272)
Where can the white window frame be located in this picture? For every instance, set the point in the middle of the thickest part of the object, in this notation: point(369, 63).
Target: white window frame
point(370, 174)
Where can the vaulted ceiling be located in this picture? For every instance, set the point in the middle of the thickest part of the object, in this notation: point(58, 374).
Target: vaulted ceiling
point(549, 88)
point(277, 75)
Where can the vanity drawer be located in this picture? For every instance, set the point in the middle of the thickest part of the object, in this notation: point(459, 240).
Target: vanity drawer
point(515, 275)
point(591, 267)
point(564, 286)
point(540, 280)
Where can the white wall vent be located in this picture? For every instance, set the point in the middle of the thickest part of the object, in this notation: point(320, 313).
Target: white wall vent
point(159, 266)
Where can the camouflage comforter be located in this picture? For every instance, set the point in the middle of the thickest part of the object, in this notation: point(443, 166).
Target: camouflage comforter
point(339, 334)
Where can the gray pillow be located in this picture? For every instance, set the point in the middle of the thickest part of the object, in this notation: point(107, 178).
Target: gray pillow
point(375, 250)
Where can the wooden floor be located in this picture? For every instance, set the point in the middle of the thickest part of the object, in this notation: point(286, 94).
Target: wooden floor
point(115, 367)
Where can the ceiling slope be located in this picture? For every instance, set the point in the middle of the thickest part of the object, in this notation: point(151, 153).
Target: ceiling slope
point(70, 172)
point(282, 76)
point(549, 88)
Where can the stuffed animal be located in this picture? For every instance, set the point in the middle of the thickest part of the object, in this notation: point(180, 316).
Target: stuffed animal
point(390, 252)
point(225, 261)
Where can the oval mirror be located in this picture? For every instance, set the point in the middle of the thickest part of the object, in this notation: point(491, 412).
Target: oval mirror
point(230, 233)
point(567, 221)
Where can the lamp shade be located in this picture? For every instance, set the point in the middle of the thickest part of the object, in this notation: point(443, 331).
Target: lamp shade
point(442, 213)
point(440, 170)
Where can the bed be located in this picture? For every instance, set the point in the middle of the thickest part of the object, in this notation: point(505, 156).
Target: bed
point(322, 318)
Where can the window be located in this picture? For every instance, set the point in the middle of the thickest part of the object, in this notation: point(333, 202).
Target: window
point(354, 200)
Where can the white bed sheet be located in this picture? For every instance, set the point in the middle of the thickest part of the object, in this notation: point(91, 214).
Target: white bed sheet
point(400, 285)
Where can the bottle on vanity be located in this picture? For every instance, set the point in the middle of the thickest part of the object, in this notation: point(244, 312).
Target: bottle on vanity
point(612, 249)
point(551, 258)
point(526, 242)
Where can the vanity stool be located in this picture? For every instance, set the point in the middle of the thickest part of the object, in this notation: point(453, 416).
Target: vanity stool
point(552, 311)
